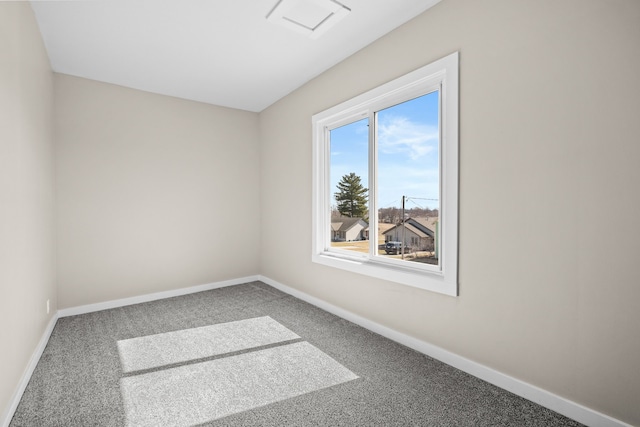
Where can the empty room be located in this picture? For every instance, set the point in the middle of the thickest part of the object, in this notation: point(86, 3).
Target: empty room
point(320, 213)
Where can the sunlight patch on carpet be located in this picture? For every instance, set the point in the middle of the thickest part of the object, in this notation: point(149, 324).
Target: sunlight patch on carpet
point(201, 392)
point(153, 351)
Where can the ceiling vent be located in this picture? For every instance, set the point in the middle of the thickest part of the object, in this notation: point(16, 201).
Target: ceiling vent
point(309, 17)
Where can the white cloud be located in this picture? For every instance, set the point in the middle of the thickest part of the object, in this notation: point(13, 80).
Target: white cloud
point(399, 135)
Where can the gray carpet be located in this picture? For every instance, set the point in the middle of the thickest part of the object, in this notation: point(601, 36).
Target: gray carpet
point(200, 392)
point(169, 348)
point(361, 379)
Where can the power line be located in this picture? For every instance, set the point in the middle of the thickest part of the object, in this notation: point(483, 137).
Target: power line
point(420, 206)
point(421, 198)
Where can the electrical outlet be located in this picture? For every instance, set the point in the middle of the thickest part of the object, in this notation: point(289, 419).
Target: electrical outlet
point(47, 306)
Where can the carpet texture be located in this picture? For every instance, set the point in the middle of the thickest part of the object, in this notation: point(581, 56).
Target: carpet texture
point(200, 392)
point(152, 351)
point(78, 379)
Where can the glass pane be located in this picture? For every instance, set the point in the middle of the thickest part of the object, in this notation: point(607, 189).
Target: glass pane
point(349, 175)
point(408, 144)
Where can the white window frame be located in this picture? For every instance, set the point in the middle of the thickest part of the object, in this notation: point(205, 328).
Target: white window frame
point(442, 75)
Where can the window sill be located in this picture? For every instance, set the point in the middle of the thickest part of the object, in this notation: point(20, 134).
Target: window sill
point(430, 281)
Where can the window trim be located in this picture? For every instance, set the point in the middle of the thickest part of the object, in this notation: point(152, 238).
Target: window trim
point(443, 72)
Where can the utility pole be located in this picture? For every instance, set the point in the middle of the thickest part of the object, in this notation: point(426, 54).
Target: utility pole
point(403, 233)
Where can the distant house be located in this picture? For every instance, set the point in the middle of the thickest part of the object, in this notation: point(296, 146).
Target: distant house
point(417, 233)
point(349, 229)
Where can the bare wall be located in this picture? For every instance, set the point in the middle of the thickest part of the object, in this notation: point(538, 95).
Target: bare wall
point(549, 200)
point(27, 262)
point(154, 193)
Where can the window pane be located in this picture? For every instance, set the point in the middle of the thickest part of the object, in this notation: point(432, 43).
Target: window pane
point(408, 143)
point(408, 160)
point(349, 178)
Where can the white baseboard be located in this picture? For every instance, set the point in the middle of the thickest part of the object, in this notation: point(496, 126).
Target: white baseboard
point(89, 308)
point(28, 371)
point(530, 392)
point(545, 398)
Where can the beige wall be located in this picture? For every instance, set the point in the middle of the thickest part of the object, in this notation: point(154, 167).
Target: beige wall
point(27, 275)
point(153, 193)
point(156, 193)
point(549, 193)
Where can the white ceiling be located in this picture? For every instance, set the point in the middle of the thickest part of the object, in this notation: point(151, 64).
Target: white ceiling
point(219, 52)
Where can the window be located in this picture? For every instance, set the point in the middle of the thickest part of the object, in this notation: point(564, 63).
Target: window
point(385, 180)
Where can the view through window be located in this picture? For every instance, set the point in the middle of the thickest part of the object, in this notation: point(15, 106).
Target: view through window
point(406, 141)
point(385, 180)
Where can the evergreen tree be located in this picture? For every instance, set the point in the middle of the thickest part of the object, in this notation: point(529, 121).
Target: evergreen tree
point(352, 196)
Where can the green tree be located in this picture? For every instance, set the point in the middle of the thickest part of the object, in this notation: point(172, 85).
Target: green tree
point(352, 196)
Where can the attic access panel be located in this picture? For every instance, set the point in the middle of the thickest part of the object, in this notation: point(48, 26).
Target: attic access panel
point(309, 17)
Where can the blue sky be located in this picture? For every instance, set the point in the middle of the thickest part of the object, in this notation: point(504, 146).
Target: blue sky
point(407, 153)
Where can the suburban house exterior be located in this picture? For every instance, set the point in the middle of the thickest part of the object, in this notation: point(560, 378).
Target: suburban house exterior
point(349, 229)
point(417, 233)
